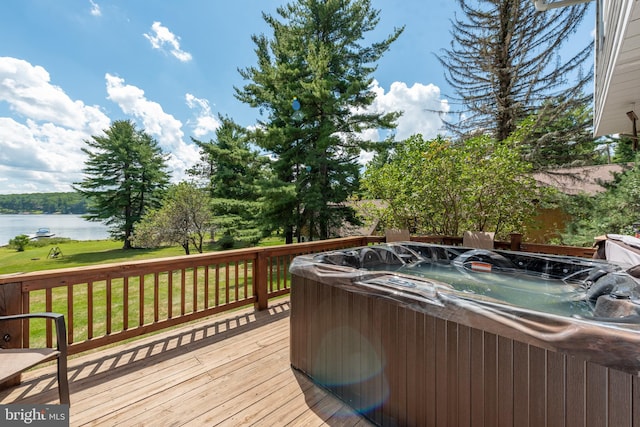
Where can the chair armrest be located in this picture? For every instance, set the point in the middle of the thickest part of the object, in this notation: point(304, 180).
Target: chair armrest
point(61, 330)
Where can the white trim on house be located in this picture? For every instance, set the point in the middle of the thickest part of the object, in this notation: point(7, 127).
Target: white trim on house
point(617, 66)
point(543, 5)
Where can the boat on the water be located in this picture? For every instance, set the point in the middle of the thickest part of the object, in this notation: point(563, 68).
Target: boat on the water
point(42, 232)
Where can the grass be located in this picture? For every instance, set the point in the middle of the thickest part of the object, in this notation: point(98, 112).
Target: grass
point(75, 254)
point(81, 253)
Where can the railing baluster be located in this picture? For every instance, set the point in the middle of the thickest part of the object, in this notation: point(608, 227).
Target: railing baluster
point(246, 279)
point(206, 286)
point(48, 306)
point(217, 285)
point(278, 272)
point(89, 310)
point(237, 281)
point(156, 297)
point(269, 260)
point(26, 303)
point(226, 283)
point(141, 300)
point(70, 313)
point(195, 289)
point(109, 306)
point(183, 281)
point(170, 294)
point(125, 303)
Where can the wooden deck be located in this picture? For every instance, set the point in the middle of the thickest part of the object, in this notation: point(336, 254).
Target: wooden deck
point(230, 370)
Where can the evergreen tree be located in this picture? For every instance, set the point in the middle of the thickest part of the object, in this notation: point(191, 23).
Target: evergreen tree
point(623, 152)
point(125, 176)
point(232, 172)
point(505, 66)
point(313, 82)
point(552, 149)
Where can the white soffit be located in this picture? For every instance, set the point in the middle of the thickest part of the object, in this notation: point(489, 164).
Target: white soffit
point(621, 81)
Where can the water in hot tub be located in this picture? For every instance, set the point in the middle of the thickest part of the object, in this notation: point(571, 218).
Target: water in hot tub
point(523, 290)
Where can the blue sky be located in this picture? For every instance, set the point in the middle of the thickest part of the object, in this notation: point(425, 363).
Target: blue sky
point(68, 68)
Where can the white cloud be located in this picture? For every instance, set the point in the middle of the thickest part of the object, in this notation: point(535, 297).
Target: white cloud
point(28, 91)
point(40, 145)
point(39, 157)
point(162, 38)
point(206, 121)
point(163, 126)
point(42, 137)
point(419, 105)
point(95, 8)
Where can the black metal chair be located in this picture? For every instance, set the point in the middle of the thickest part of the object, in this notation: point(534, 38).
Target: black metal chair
point(14, 361)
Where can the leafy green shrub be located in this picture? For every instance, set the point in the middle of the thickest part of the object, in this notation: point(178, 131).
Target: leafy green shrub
point(19, 242)
point(226, 241)
point(440, 187)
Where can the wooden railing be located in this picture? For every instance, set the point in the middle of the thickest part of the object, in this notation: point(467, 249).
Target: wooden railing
point(105, 304)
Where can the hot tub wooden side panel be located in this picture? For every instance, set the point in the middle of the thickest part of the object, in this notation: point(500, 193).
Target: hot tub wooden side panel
point(399, 366)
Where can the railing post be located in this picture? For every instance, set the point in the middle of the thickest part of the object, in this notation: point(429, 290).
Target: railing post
point(516, 241)
point(11, 331)
point(260, 281)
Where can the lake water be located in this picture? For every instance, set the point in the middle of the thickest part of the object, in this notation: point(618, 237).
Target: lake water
point(71, 226)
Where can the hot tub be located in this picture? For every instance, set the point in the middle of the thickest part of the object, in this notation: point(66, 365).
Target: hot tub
point(419, 334)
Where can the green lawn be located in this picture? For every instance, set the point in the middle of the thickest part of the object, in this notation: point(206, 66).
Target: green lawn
point(74, 254)
point(81, 253)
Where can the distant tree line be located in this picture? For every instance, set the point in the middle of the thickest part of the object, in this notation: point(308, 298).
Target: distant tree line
point(63, 203)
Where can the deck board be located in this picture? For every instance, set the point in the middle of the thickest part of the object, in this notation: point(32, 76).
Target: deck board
point(229, 370)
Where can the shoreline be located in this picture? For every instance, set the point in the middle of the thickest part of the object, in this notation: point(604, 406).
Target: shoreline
point(73, 226)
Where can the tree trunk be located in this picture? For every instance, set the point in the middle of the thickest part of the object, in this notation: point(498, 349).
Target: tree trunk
point(288, 235)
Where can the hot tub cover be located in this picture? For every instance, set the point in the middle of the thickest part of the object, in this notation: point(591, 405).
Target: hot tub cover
point(380, 271)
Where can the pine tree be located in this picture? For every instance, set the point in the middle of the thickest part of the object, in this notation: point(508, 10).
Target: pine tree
point(559, 141)
point(232, 172)
point(623, 150)
point(312, 82)
point(505, 66)
point(125, 176)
